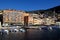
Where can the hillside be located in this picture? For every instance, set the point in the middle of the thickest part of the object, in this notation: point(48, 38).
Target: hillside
point(56, 9)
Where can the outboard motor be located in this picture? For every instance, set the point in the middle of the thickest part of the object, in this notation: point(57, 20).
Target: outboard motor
point(45, 28)
point(2, 32)
point(6, 31)
point(50, 28)
point(39, 28)
point(16, 30)
point(22, 30)
point(11, 30)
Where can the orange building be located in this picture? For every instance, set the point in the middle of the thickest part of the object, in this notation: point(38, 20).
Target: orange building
point(13, 16)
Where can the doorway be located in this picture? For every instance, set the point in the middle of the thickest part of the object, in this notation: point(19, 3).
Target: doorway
point(25, 20)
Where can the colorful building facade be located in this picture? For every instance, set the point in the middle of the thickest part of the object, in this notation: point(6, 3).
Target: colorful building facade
point(18, 17)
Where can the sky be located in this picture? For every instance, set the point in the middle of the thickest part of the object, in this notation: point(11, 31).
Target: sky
point(28, 5)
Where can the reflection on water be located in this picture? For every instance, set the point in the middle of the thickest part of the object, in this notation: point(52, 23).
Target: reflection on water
point(33, 34)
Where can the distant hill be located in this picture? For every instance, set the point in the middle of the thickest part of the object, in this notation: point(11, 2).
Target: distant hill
point(56, 9)
point(49, 11)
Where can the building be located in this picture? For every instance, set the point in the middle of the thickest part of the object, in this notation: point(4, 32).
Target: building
point(18, 17)
point(14, 17)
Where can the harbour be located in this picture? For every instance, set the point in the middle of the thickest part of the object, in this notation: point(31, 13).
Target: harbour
point(33, 34)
